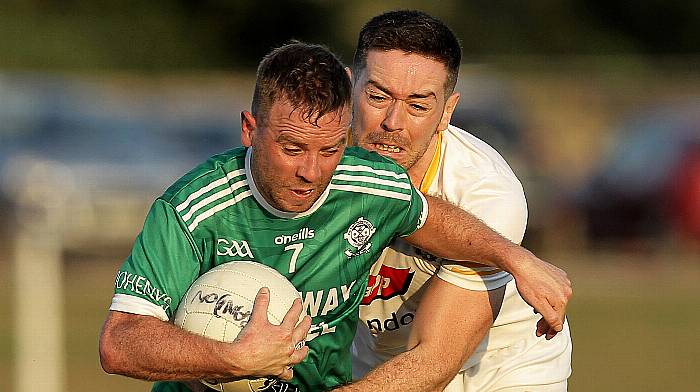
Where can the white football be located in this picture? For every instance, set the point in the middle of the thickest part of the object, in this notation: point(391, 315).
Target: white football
point(220, 302)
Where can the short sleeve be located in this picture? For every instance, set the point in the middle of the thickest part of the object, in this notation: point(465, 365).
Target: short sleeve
point(415, 215)
point(500, 203)
point(161, 267)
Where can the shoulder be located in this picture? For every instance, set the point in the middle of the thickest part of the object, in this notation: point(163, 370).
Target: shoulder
point(473, 173)
point(467, 159)
point(359, 157)
point(216, 171)
point(475, 177)
point(367, 165)
point(469, 150)
point(361, 171)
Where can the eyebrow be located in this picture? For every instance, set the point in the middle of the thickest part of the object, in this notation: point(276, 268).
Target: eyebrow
point(343, 141)
point(340, 143)
point(285, 139)
point(418, 95)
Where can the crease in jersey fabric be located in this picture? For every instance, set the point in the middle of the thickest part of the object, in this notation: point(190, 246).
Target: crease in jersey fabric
point(267, 206)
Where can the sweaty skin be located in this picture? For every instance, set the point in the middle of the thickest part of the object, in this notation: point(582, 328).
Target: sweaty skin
point(398, 113)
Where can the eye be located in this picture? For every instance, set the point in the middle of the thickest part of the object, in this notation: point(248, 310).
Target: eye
point(330, 151)
point(419, 107)
point(291, 150)
point(376, 97)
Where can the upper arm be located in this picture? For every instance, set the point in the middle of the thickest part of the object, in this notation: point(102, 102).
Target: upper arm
point(475, 213)
point(160, 268)
point(415, 215)
point(499, 201)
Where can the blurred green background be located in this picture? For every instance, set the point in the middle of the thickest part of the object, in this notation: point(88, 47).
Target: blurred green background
point(595, 104)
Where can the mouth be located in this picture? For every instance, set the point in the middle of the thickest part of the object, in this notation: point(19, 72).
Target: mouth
point(386, 147)
point(302, 193)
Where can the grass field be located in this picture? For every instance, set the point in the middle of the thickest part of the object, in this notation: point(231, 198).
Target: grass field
point(634, 324)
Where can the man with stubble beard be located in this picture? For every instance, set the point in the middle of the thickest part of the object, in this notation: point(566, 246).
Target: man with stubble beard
point(428, 323)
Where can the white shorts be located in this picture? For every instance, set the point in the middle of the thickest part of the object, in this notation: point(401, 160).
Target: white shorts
point(533, 364)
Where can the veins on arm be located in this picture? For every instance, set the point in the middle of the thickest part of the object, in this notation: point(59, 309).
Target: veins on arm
point(147, 348)
point(449, 325)
point(452, 233)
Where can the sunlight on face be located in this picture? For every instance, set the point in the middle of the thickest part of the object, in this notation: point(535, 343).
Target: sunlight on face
point(399, 104)
point(294, 158)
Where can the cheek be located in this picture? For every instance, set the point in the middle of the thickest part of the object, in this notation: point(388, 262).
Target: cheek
point(279, 165)
point(423, 129)
point(328, 165)
point(371, 114)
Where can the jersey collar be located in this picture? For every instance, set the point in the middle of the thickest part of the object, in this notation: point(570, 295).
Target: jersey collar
point(431, 173)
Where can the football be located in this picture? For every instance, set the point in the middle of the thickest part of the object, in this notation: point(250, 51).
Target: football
point(220, 302)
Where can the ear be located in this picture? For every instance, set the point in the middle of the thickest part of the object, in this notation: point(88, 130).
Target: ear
point(349, 72)
point(450, 106)
point(248, 127)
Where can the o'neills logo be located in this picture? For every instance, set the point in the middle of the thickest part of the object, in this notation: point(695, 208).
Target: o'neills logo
point(303, 234)
point(390, 282)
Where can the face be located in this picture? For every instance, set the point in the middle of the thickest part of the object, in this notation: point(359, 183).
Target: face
point(293, 159)
point(399, 105)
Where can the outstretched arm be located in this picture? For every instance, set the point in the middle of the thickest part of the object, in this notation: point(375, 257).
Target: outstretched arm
point(147, 348)
point(454, 234)
point(449, 325)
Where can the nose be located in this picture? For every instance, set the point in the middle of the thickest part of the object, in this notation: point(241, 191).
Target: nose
point(395, 117)
point(309, 169)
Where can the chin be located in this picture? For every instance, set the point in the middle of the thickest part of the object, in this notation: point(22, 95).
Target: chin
point(289, 207)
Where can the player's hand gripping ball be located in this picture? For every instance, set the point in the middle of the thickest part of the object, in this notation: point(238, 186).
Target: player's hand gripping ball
point(220, 302)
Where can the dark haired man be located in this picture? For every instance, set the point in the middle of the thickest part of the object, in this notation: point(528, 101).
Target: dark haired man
point(472, 330)
point(294, 175)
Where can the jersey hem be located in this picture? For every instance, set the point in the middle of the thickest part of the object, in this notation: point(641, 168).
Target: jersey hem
point(469, 279)
point(137, 305)
point(423, 215)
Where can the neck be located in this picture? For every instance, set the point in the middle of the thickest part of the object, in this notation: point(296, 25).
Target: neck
point(418, 170)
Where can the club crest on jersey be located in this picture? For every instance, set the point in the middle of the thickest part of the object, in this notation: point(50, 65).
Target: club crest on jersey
point(358, 236)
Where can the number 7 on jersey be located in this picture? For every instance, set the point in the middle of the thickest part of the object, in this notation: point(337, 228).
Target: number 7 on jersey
point(293, 262)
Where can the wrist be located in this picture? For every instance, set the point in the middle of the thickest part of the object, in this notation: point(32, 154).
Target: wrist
point(512, 258)
point(231, 356)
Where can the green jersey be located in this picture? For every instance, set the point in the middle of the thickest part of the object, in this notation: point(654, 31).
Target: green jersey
point(215, 214)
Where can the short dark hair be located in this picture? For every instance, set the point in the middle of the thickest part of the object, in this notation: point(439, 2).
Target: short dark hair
point(309, 76)
point(412, 32)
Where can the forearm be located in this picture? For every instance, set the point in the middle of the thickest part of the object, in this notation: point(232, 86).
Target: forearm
point(416, 370)
point(150, 349)
point(452, 233)
point(449, 324)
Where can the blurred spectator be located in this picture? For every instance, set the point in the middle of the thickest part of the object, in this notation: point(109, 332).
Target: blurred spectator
point(645, 187)
point(110, 145)
point(685, 194)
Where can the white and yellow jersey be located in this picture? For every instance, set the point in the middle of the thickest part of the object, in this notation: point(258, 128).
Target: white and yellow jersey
point(469, 173)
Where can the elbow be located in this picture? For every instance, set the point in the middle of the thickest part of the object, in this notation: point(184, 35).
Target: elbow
point(108, 364)
point(442, 385)
point(112, 359)
point(442, 380)
point(444, 367)
point(109, 360)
